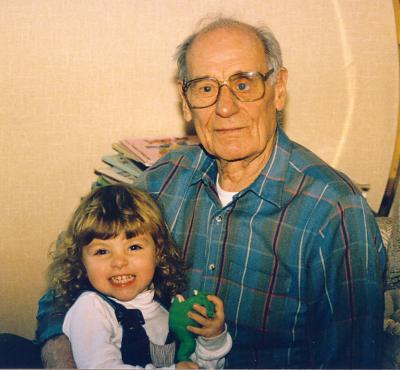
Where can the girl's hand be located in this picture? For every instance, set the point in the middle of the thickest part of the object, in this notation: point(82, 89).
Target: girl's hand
point(210, 327)
point(186, 365)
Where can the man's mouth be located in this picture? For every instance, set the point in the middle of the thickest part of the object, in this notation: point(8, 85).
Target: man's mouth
point(122, 279)
point(229, 130)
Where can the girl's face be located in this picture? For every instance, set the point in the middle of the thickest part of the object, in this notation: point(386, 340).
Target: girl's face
point(121, 268)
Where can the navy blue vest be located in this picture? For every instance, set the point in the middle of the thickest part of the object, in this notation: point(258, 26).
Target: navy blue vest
point(135, 345)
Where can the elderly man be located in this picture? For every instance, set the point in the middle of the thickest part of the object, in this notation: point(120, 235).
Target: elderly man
point(287, 242)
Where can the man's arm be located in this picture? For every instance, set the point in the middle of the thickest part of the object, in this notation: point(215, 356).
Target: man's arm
point(57, 353)
point(56, 349)
point(345, 289)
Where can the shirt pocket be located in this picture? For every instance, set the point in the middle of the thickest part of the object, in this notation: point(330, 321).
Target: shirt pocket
point(258, 269)
point(261, 286)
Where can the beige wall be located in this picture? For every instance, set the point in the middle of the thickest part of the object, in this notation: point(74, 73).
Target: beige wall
point(76, 76)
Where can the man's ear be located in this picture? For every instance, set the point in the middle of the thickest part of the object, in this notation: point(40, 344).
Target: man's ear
point(187, 114)
point(280, 89)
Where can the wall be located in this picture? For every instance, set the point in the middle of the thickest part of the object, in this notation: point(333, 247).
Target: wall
point(76, 76)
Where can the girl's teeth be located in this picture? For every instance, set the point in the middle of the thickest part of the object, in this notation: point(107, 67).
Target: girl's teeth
point(122, 279)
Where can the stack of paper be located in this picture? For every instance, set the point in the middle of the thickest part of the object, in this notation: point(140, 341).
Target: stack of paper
point(135, 155)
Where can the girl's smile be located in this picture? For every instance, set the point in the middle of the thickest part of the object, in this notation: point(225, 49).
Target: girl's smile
point(122, 280)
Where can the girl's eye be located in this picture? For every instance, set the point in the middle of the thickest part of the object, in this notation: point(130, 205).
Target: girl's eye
point(135, 247)
point(100, 252)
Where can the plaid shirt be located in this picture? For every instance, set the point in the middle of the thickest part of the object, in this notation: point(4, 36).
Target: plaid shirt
point(296, 257)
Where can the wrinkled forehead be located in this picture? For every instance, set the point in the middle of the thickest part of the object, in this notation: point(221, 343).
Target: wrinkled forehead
point(223, 51)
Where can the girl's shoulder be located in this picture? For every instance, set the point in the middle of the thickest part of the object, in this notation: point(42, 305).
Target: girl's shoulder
point(88, 295)
point(90, 313)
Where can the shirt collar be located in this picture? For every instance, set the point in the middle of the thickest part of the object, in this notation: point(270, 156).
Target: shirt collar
point(141, 301)
point(206, 171)
point(270, 184)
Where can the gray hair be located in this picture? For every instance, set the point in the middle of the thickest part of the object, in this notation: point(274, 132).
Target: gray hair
point(264, 34)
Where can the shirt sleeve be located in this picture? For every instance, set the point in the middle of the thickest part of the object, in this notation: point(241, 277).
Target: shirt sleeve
point(93, 332)
point(345, 289)
point(49, 317)
point(210, 352)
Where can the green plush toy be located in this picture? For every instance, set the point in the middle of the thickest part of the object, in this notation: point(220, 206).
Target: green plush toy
point(179, 320)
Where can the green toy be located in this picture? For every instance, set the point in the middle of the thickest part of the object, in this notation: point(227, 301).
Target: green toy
point(179, 320)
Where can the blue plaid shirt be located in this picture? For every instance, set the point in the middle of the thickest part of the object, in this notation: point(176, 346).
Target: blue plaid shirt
point(296, 257)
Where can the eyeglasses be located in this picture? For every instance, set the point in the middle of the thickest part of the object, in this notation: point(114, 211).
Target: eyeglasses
point(245, 86)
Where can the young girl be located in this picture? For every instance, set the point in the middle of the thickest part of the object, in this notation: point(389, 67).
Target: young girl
point(117, 257)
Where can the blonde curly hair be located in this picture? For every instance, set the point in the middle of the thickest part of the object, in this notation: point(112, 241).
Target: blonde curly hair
point(103, 214)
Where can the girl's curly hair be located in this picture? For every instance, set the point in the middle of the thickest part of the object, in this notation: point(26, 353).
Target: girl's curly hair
point(103, 214)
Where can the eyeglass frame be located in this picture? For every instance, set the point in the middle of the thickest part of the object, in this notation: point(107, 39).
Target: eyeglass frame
point(185, 86)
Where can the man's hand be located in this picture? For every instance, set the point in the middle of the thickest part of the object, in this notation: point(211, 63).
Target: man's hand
point(57, 353)
point(210, 327)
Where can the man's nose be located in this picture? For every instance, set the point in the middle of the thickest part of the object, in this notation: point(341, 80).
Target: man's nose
point(227, 104)
point(119, 260)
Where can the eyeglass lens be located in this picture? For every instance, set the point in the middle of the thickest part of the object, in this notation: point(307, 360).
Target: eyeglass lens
point(204, 92)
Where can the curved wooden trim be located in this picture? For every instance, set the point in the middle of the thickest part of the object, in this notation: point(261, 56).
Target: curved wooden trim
point(393, 179)
point(394, 172)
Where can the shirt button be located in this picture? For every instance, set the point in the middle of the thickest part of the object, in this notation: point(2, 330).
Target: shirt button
point(211, 267)
point(218, 219)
